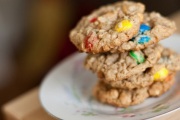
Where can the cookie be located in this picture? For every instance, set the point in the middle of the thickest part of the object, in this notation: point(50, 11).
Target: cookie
point(168, 64)
point(170, 59)
point(108, 27)
point(124, 98)
point(120, 66)
point(119, 97)
point(153, 29)
point(135, 82)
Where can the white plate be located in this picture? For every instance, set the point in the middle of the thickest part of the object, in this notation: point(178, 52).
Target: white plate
point(66, 94)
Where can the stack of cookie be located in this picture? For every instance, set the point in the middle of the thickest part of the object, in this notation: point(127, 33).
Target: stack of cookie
point(122, 45)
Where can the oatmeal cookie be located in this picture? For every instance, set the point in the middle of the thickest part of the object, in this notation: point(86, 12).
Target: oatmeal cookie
point(120, 66)
point(124, 98)
point(168, 64)
point(136, 81)
point(170, 59)
point(108, 27)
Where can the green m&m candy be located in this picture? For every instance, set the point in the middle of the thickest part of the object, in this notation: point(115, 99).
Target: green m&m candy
point(138, 56)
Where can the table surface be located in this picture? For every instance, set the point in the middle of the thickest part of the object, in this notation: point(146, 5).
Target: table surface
point(28, 107)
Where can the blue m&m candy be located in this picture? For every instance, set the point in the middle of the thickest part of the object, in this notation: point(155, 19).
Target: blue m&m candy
point(144, 28)
point(143, 39)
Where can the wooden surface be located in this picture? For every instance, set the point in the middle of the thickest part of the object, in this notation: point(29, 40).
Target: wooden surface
point(27, 106)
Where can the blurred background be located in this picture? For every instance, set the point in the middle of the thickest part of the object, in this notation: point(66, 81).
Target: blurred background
point(34, 37)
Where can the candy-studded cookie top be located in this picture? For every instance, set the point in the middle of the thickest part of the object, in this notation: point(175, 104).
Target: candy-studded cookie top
point(108, 27)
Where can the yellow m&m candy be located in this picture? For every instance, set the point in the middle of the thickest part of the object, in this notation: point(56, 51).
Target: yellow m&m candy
point(123, 26)
point(161, 74)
